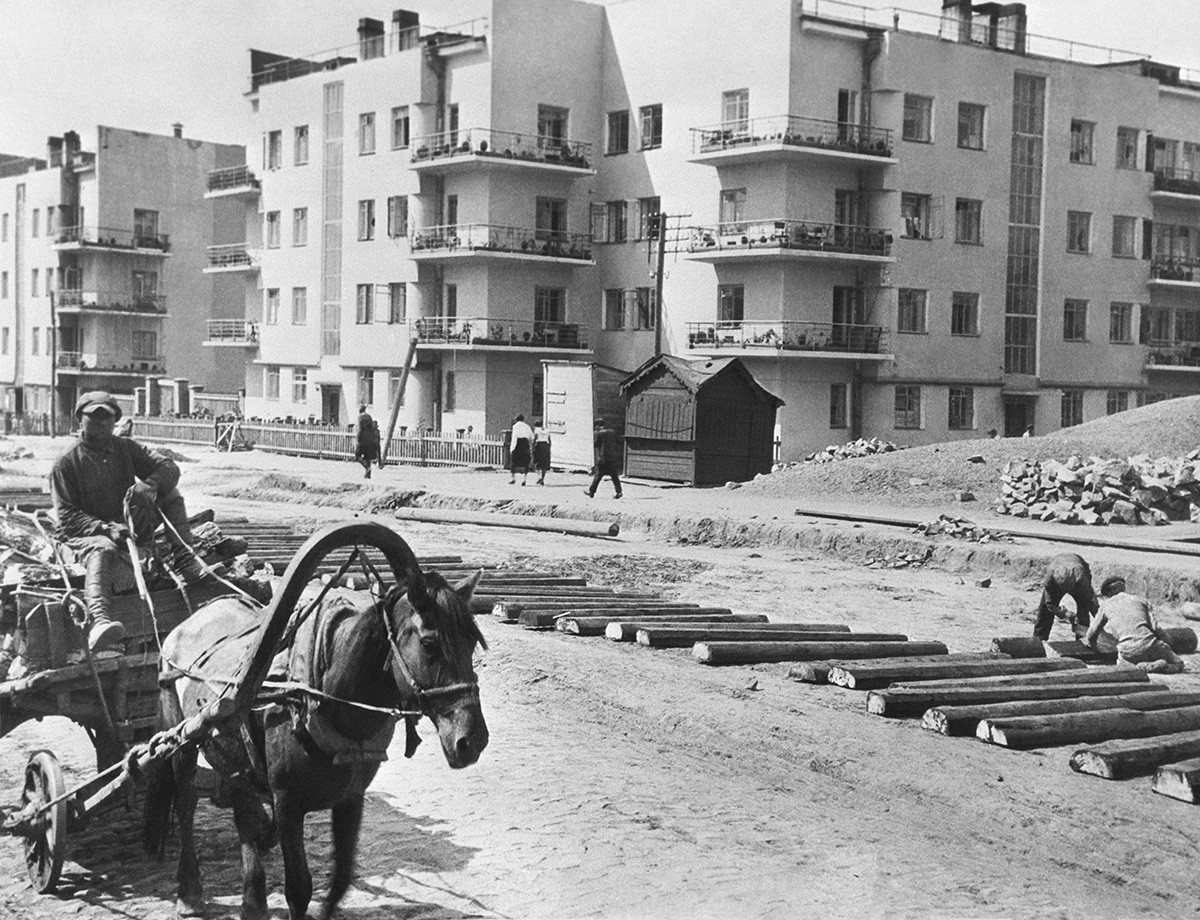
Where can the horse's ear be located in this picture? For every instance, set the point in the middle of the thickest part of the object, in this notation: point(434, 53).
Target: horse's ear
point(465, 588)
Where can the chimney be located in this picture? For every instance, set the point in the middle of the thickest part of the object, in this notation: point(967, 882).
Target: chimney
point(406, 26)
point(177, 129)
point(71, 144)
point(370, 38)
point(54, 151)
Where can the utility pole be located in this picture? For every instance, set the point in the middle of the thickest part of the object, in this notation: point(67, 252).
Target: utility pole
point(53, 366)
point(659, 222)
point(397, 399)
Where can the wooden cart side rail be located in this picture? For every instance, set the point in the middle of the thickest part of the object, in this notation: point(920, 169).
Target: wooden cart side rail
point(59, 679)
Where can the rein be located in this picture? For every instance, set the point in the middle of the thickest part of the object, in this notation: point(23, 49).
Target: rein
point(425, 696)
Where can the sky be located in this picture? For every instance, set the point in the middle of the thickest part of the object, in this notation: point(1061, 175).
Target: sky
point(145, 64)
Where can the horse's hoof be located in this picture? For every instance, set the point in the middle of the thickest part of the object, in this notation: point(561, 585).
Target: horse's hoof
point(189, 907)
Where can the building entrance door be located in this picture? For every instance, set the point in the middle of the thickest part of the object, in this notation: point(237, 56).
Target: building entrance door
point(1018, 416)
point(331, 404)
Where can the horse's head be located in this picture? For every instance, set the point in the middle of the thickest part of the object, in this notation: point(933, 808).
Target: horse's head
point(433, 637)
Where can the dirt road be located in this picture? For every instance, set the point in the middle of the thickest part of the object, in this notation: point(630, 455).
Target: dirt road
point(624, 782)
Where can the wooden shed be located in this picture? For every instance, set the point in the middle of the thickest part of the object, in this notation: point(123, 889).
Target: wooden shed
point(705, 422)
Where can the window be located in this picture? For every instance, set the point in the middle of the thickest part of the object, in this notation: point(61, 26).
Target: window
point(645, 312)
point(4, 285)
point(1075, 320)
point(838, 416)
point(397, 302)
point(364, 304)
point(50, 221)
point(271, 309)
point(366, 387)
point(143, 284)
point(451, 211)
point(962, 408)
point(1124, 237)
point(731, 304)
point(918, 118)
point(733, 209)
point(300, 226)
point(366, 133)
point(552, 125)
point(299, 384)
point(617, 232)
point(145, 227)
point(299, 306)
point(551, 220)
point(1079, 231)
point(970, 125)
point(273, 151)
point(33, 283)
point(49, 340)
point(1120, 323)
point(1127, 144)
point(271, 381)
point(1072, 408)
point(300, 154)
point(549, 306)
point(1118, 401)
point(964, 313)
point(50, 280)
point(1081, 141)
point(451, 125)
point(394, 386)
point(35, 341)
point(273, 229)
point(647, 208)
point(538, 391)
point(915, 211)
point(366, 219)
point(450, 301)
point(4, 228)
point(450, 396)
point(618, 132)
point(397, 216)
point(735, 110)
point(33, 224)
point(614, 309)
point(907, 406)
point(400, 127)
point(968, 221)
point(910, 315)
point(651, 119)
point(145, 344)
point(4, 340)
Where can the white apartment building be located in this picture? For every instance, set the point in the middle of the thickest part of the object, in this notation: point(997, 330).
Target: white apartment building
point(911, 227)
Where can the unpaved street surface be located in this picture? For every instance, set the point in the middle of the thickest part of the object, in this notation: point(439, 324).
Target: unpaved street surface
point(625, 782)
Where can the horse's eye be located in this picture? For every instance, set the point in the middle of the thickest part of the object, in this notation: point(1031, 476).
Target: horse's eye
point(430, 645)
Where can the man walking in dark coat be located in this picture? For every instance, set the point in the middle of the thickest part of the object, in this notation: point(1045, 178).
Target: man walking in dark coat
point(366, 449)
point(607, 448)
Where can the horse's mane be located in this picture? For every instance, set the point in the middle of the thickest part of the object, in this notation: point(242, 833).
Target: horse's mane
point(458, 631)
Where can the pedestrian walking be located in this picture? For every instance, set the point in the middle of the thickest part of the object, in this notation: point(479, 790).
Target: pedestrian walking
point(367, 437)
point(541, 451)
point(607, 449)
point(521, 450)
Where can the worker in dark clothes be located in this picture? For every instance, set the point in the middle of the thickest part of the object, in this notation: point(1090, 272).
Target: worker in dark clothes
point(1141, 642)
point(608, 458)
point(366, 449)
point(90, 484)
point(1067, 574)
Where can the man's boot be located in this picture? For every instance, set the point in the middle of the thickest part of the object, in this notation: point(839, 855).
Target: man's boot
point(187, 565)
point(103, 631)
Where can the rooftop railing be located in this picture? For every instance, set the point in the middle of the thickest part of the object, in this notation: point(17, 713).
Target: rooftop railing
point(816, 236)
point(483, 238)
point(232, 177)
point(116, 301)
point(1178, 180)
point(788, 335)
point(487, 142)
point(793, 131)
point(110, 238)
point(488, 330)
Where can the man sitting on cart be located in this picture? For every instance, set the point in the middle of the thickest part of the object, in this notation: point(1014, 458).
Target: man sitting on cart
point(89, 484)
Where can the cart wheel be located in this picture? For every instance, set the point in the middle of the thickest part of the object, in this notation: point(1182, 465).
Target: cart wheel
point(44, 849)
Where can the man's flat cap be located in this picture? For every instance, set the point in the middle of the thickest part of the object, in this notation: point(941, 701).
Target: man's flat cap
point(97, 401)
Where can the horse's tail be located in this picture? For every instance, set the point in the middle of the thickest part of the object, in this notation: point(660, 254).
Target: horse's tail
point(161, 785)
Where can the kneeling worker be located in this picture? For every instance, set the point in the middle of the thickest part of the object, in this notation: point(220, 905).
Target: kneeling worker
point(1140, 640)
point(1067, 574)
point(89, 484)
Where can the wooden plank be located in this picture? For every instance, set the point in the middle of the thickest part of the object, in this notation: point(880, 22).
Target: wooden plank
point(1135, 757)
point(685, 636)
point(556, 592)
point(873, 676)
point(1024, 732)
point(1072, 675)
point(511, 611)
point(718, 653)
point(1179, 780)
point(913, 701)
point(1182, 640)
point(961, 721)
point(623, 629)
point(519, 521)
point(544, 619)
point(810, 672)
point(817, 672)
point(596, 626)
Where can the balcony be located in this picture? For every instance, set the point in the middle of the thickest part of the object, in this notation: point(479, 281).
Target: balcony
point(112, 303)
point(231, 257)
point(483, 147)
point(1181, 186)
point(232, 181)
point(235, 333)
point(81, 162)
point(109, 240)
point(770, 240)
point(786, 338)
point(490, 241)
point(1183, 358)
point(81, 363)
point(788, 137)
point(1167, 271)
point(487, 333)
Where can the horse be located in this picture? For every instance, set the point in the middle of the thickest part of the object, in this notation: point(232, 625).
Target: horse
point(317, 744)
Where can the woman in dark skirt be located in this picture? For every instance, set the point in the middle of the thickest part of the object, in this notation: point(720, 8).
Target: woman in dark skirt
point(541, 451)
point(521, 447)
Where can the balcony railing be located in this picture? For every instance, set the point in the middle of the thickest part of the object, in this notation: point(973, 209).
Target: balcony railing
point(1186, 355)
point(501, 145)
point(1179, 181)
point(232, 177)
point(73, 299)
point(787, 335)
point(110, 238)
point(485, 238)
point(1167, 268)
point(232, 331)
point(794, 131)
point(488, 330)
point(231, 255)
point(791, 234)
point(85, 361)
